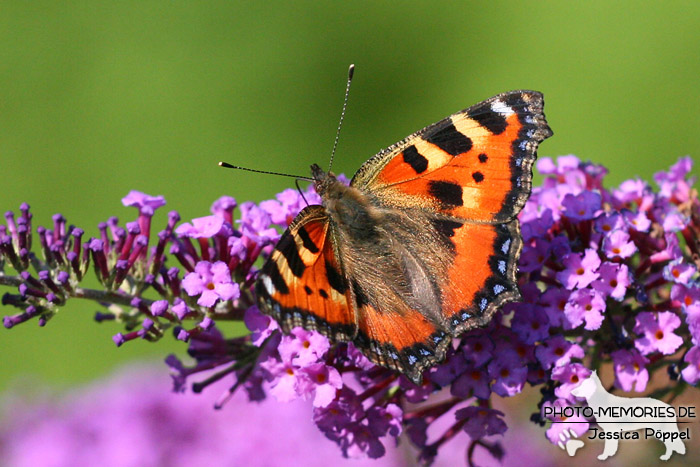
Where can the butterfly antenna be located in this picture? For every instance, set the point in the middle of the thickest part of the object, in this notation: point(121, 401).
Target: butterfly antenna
point(298, 177)
point(296, 182)
point(351, 70)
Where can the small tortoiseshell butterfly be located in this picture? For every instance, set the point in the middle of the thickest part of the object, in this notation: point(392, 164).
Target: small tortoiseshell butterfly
point(422, 246)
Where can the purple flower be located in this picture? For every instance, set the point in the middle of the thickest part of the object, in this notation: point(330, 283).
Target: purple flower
point(691, 373)
point(385, 420)
point(212, 281)
point(617, 244)
point(481, 421)
point(679, 271)
point(673, 183)
point(533, 257)
point(570, 376)
point(255, 224)
point(582, 206)
point(143, 201)
point(509, 373)
point(585, 305)
point(444, 374)
point(324, 380)
point(608, 222)
point(579, 271)
point(261, 326)
point(613, 280)
point(673, 220)
point(223, 207)
point(576, 423)
point(343, 421)
point(633, 191)
point(557, 351)
point(286, 381)
point(656, 330)
point(692, 318)
point(201, 227)
point(472, 383)
point(637, 220)
point(530, 323)
point(288, 204)
point(630, 370)
point(554, 302)
point(477, 348)
point(159, 307)
point(303, 347)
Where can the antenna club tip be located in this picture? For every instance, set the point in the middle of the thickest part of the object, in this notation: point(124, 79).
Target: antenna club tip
point(225, 164)
point(351, 70)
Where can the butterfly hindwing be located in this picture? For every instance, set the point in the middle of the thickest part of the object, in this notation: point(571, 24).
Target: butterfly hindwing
point(474, 165)
point(407, 342)
point(482, 274)
point(302, 284)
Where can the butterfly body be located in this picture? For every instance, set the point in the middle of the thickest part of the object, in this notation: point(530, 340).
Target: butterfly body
point(421, 246)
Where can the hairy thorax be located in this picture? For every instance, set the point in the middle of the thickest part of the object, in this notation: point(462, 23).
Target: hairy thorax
point(372, 240)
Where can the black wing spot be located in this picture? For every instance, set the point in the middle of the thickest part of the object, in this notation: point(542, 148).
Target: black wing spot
point(276, 278)
point(483, 158)
point(478, 177)
point(288, 247)
point(306, 240)
point(446, 227)
point(335, 279)
point(360, 297)
point(308, 290)
point(412, 157)
point(323, 293)
point(492, 121)
point(450, 140)
point(446, 192)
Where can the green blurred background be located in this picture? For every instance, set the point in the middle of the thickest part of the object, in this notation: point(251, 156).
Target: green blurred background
point(97, 99)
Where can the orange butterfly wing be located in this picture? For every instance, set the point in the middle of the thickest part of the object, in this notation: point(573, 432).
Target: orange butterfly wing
point(474, 165)
point(302, 284)
point(473, 170)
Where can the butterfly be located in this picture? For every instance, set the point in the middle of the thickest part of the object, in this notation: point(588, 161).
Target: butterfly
point(421, 246)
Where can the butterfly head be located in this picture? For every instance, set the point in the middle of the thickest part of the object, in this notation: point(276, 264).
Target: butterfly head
point(323, 181)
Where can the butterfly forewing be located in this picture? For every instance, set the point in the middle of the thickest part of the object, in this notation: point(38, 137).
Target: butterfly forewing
point(475, 165)
point(302, 284)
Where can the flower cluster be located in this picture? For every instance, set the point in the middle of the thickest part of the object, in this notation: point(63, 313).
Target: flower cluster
point(131, 419)
point(609, 277)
